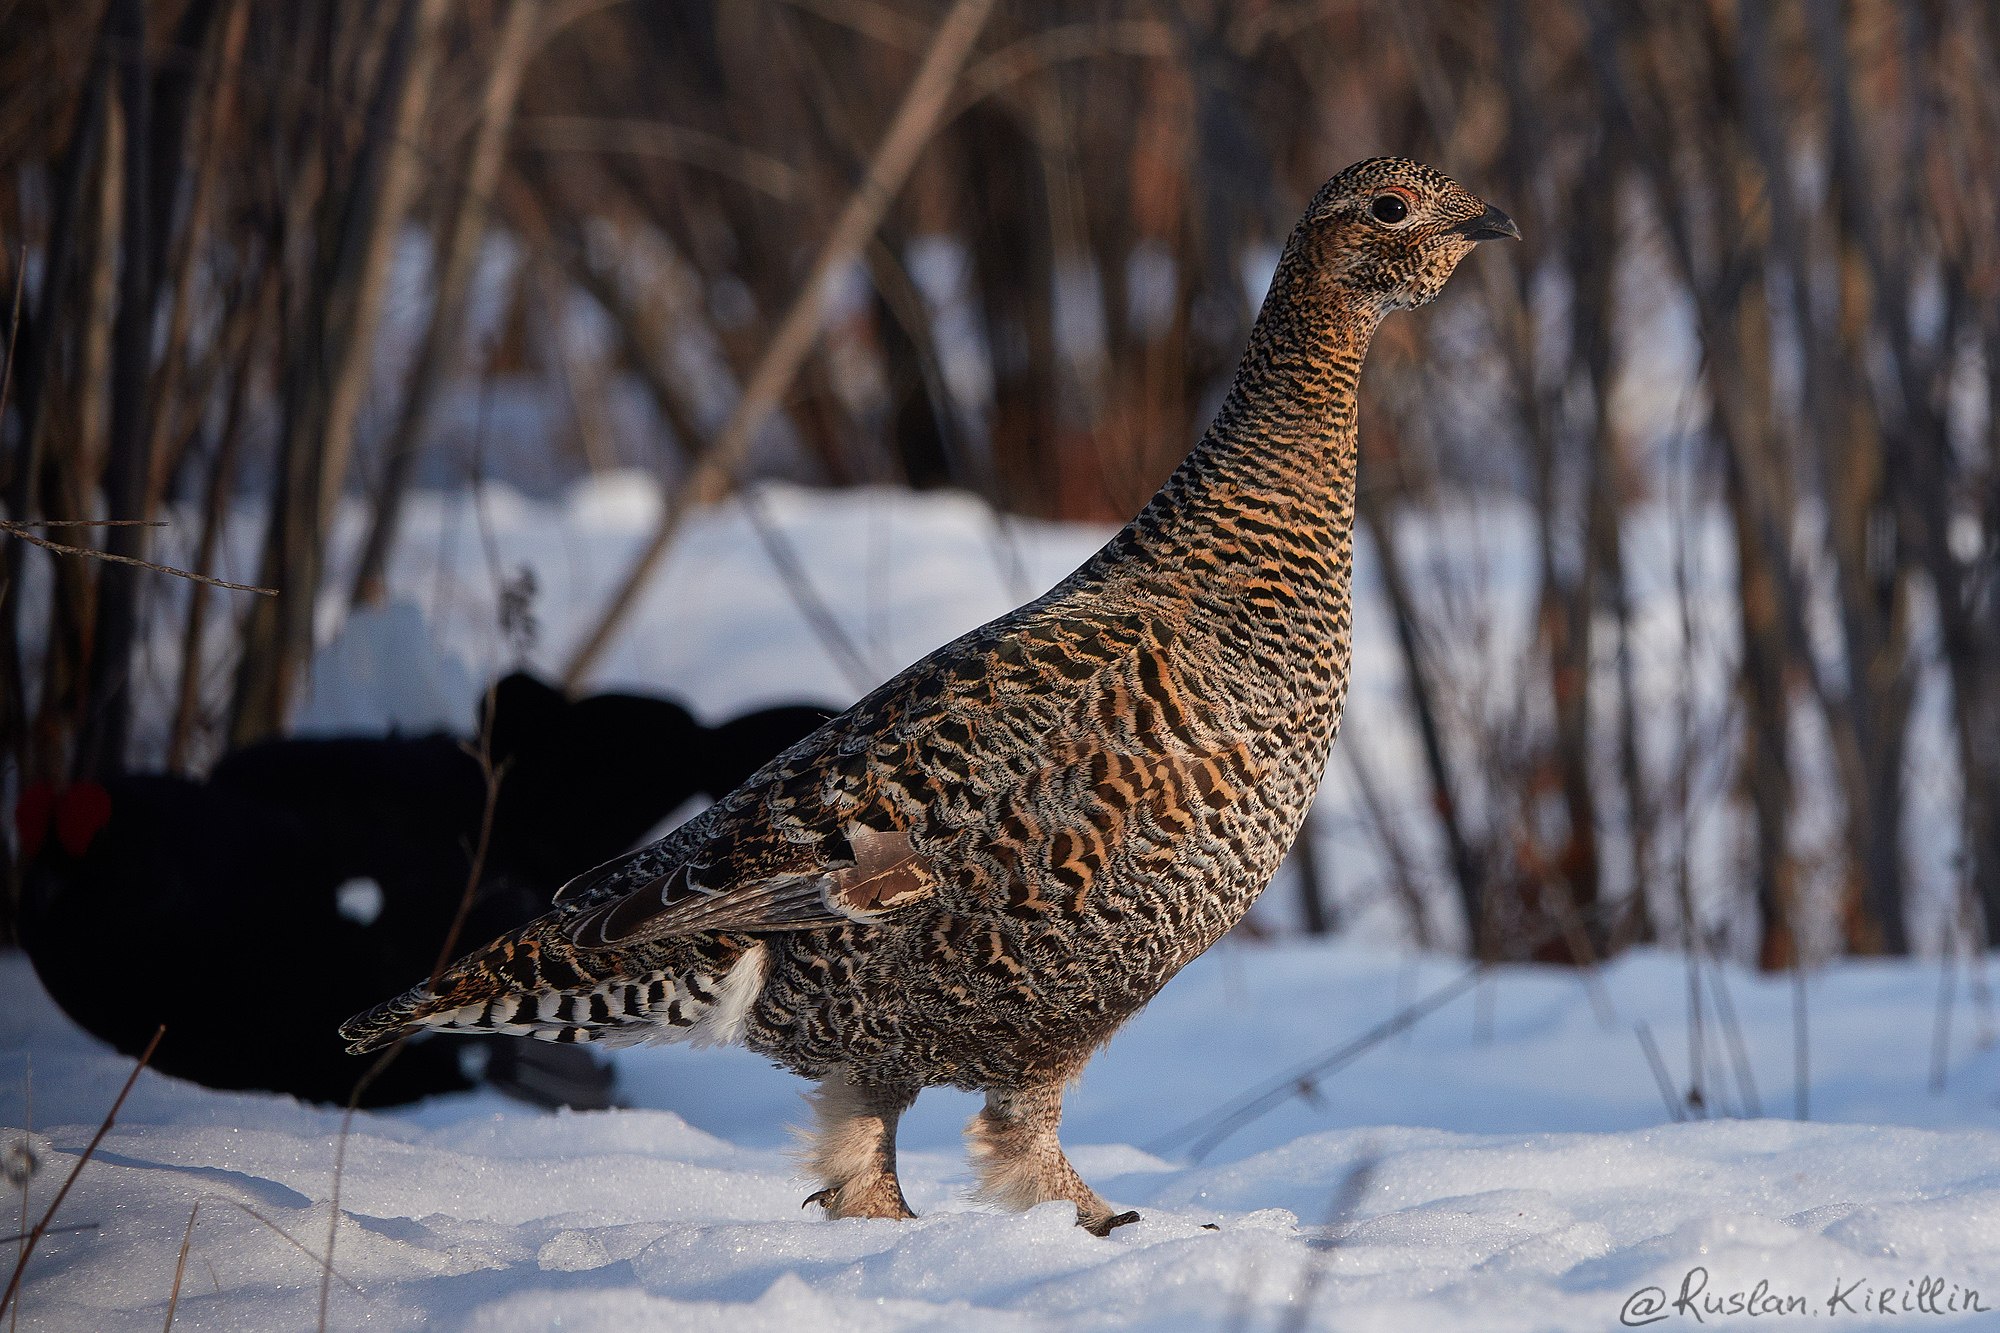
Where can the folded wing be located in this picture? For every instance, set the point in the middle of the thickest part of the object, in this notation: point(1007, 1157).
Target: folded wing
point(879, 872)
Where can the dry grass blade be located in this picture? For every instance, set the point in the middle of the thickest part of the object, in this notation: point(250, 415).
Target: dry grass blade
point(319, 1261)
point(13, 529)
point(493, 775)
point(110, 1117)
point(180, 1265)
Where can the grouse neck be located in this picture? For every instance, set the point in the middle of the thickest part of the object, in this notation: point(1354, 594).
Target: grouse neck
point(1287, 425)
point(1269, 490)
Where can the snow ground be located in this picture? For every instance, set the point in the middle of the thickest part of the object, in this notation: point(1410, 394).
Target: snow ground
point(1504, 1165)
point(1501, 1166)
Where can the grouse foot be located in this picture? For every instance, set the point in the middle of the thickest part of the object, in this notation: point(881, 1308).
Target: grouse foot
point(1105, 1227)
point(1021, 1163)
point(852, 1147)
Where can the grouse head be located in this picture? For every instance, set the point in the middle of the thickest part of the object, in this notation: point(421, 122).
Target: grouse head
point(1387, 232)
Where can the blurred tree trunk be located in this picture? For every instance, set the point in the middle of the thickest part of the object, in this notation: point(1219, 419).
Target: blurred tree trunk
point(100, 746)
point(153, 117)
point(922, 433)
point(1008, 236)
point(454, 269)
point(1467, 879)
point(331, 354)
point(209, 87)
point(1817, 191)
point(1559, 880)
point(36, 357)
point(1904, 520)
point(1867, 718)
point(1593, 258)
point(1660, 106)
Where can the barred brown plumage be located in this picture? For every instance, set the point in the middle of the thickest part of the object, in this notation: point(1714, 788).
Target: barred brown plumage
point(977, 873)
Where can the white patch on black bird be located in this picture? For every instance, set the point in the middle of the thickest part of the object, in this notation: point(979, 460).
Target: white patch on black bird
point(359, 900)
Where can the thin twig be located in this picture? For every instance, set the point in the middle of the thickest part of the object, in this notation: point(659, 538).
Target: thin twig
point(1144, 39)
point(1207, 1132)
point(1732, 1031)
point(1659, 1068)
point(1376, 819)
point(784, 558)
point(28, 1147)
point(12, 702)
point(1577, 940)
point(1691, 950)
point(673, 143)
point(1941, 1023)
point(1982, 994)
point(14, 529)
point(1697, 1099)
point(494, 774)
point(52, 1231)
point(1346, 1200)
point(1801, 1037)
point(1210, 1131)
point(871, 19)
point(13, 327)
point(103, 1128)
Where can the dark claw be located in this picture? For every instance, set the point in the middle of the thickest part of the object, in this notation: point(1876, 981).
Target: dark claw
point(1115, 1220)
point(824, 1198)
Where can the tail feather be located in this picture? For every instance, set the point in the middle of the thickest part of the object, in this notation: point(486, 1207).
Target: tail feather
point(535, 983)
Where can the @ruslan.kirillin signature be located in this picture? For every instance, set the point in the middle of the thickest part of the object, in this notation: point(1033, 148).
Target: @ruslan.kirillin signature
point(1696, 1300)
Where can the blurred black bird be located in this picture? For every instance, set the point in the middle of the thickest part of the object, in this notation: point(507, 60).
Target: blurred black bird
point(149, 898)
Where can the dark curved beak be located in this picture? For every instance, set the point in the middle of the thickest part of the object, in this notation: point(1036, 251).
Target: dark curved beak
point(1491, 225)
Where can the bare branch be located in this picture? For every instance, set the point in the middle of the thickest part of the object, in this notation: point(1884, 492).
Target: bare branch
point(714, 475)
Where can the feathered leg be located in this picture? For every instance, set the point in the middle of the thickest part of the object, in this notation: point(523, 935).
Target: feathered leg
point(1020, 1163)
point(852, 1148)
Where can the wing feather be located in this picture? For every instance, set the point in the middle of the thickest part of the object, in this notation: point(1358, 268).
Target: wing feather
point(884, 872)
point(798, 846)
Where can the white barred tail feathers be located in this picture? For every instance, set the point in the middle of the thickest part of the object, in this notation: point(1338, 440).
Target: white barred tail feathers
point(532, 983)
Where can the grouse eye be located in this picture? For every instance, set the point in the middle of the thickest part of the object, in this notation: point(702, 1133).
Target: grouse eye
point(1389, 208)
